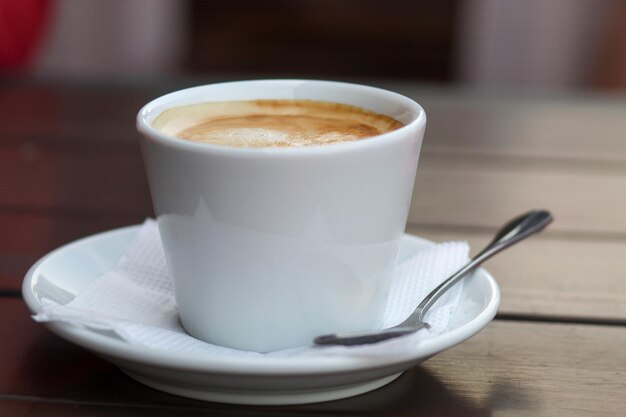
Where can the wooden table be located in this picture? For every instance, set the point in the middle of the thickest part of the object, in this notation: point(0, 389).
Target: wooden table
point(70, 166)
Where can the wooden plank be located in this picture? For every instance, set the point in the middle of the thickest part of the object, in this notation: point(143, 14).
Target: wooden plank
point(37, 407)
point(449, 189)
point(552, 276)
point(547, 276)
point(485, 192)
point(69, 112)
point(61, 196)
point(88, 111)
point(537, 369)
point(509, 369)
point(489, 173)
point(105, 182)
point(576, 127)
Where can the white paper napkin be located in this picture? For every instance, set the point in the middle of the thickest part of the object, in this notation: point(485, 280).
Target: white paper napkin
point(135, 300)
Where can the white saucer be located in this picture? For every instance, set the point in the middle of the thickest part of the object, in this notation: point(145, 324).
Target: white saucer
point(289, 380)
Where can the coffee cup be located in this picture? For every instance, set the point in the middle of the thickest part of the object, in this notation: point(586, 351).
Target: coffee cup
point(269, 247)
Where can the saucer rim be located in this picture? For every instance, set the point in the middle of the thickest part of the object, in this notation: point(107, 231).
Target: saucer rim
point(118, 350)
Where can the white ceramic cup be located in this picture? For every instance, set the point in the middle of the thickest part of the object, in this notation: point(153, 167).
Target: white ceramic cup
point(270, 247)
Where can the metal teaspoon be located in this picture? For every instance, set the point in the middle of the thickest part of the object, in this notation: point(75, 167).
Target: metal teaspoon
point(512, 232)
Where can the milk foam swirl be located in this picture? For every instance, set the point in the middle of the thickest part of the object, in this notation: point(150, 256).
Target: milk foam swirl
point(272, 123)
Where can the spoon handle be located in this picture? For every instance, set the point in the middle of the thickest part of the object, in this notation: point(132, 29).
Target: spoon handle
point(514, 231)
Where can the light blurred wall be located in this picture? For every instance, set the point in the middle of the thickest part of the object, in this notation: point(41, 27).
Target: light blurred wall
point(534, 44)
point(114, 38)
point(529, 44)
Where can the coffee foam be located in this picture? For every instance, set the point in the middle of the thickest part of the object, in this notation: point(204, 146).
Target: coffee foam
point(272, 123)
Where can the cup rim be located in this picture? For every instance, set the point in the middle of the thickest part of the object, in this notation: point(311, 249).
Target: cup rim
point(150, 133)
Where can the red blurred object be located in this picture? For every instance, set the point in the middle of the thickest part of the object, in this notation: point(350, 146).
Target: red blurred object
point(22, 24)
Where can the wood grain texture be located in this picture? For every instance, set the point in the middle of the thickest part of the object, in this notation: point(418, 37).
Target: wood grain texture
point(82, 181)
point(58, 183)
point(485, 192)
point(72, 112)
point(509, 369)
point(66, 172)
point(525, 369)
point(449, 189)
point(584, 127)
point(572, 127)
point(553, 276)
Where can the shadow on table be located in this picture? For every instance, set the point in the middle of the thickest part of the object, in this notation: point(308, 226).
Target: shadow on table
point(417, 392)
point(56, 377)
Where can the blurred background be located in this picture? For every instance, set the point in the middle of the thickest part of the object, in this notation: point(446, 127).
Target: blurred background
point(533, 45)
